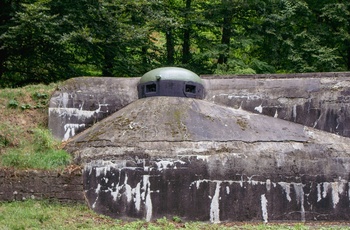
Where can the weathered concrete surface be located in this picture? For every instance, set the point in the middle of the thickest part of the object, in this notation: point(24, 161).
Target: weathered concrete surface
point(81, 102)
point(63, 186)
point(201, 161)
point(319, 100)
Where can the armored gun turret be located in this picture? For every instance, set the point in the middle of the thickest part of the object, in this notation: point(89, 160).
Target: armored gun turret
point(171, 81)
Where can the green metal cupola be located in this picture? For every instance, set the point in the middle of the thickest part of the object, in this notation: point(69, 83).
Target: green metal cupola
point(172, 82)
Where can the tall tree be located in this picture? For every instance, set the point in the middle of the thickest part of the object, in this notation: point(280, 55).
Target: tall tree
point(227, 12)
point(296, 37)
point(35, 51)
point(186, 53)
point(335, 18)
point(8, 9)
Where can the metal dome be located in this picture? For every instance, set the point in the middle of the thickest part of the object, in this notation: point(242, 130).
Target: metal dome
point(171, 81)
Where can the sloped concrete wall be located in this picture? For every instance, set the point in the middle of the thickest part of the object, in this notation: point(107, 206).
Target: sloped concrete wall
point(319, 100)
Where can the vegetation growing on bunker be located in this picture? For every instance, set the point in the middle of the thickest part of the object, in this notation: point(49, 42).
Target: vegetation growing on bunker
point(243, 124)
point(177, 126)
point(94, 136)
point(210, 118)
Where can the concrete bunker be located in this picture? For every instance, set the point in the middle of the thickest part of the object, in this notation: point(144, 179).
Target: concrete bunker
point(180, 156)
point(170, 156)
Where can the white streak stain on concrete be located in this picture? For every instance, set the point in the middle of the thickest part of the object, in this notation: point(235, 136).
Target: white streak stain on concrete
point(148, 200)
point(337, 189)
point(299, 193)
point(137, 196)
point(268, 184)
point(143, 194)
point(319, 196)
point(214, 206)
point(128, 190)
point(286, 188)
point(97, 191)
point(76, 112)
point(115, 194)
point(318, 119)
point(241, 181)
point(64, 99)
point(295, 112)
point(70, 130)
point(203, 157)
point(167, 164)
point(259, 108)
point(198, 183)
point(264, 208)
point(325, 189)
point(164, 165)
point(73, 112)
point(100, 170)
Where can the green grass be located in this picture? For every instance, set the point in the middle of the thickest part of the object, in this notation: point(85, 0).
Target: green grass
point(42, 152)
point(32, 214)
point(52, 159)
point(25, 141)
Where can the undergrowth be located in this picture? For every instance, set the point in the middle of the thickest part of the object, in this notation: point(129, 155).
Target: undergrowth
point(25, 141)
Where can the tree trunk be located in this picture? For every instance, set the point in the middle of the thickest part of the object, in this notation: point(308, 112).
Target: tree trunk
point(226, 32)
point(170, 46)
point(348, 57)
point(107, 68)
point(186, 54)
point(3, 56)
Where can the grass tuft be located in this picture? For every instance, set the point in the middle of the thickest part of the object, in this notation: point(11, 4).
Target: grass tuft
point(42, 153)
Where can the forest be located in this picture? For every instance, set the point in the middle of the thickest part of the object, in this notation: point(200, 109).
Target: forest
point(44, 41)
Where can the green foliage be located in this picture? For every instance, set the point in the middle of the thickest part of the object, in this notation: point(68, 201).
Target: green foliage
point(177, 219)
point(41, 100)
point(13, 104)
point(43, 140)
point(39, 96)
point(47, 41)
point(26, 106)
point(35, 49)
